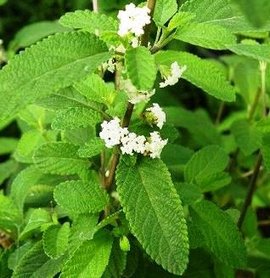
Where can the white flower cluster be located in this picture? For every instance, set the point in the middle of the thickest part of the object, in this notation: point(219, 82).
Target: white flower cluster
point(113, 134)
point(133, 20)
point(158, 115)
point(176, 73)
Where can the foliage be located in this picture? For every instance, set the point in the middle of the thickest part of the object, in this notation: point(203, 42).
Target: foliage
point(180, 185)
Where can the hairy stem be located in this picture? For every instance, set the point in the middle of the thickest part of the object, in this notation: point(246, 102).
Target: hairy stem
point(108, 183)
point(251, 190)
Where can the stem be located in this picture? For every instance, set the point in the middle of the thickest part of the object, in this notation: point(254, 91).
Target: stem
point(220, 112)
point(95, 6)
point(251, 190)
point(108, 183)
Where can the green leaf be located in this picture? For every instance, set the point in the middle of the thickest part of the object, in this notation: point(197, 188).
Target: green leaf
point(38, 219)
point(22, 183)
point(205, 35)
point(141, 68)
point(117, 262)
point(10, 217)
point(263, 125)
point(154, 211)
point(91, 148)
point(75, 117)
point(94, 88)
point(83, 197)
point(55, 240)
point(91, 259)
point(89, 21)
point(201, 73)
point(246, 136)
point(7, 168)
point(204, 163)
point(60, 158)
point(220, 233)
point(266, 151)
point(259, 52)
point(7, 145)
point(34, 32)
point(69, 57)
point(164, 10)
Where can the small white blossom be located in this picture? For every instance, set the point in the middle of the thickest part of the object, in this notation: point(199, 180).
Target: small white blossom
point(158, 114)
point(133, 20)
point(112, 132)
point(176, 73)
point(135, 42)
point(155, 145)
point(132, 143)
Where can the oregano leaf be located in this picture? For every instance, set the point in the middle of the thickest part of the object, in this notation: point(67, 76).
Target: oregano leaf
point(141, 67)
point(220, 233)
point(154, 212)
point(84, 197)
point(55, 240)
point(164, 10)
point(69, 57)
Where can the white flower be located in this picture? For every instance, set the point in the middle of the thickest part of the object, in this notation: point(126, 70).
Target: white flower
point(112, 132)
point(176, 73)
point(133, 20)
point(155, 145)
point(132, 143)
point(158, 114)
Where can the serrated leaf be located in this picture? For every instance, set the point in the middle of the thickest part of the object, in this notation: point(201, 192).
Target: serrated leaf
point(220, 233)
point(91, 259)
point(91, 148)
point(201, 73)
point(263, 125)
point(38, 219)
point(34, 32)
point(79, 136)
point(10, 217)
point(89, 21)
point(7, 145)
point(117, 262)
point(55, 240)
point(164, 10)
point(141, 68)
point(75, 117)
point(206, 162)
point(205, 35)
point(69, 57)
point(154, 212)
point(83, 197)
point(214, 181)
point(246, 136)
point(259, 52)
point(22, 183)
point(60, 158)
point(94, 88)
point(266, 151)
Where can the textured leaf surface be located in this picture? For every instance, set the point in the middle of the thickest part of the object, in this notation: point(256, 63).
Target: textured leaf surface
point(94, 88)
point(141, 67)
point(164, 10)
point(205, 35)
point(89, 21)
point(154, 212)
point(206, 162)
point(220, 233)
point(75, 117)
point(6, 169)
point(201, 73)
point(55, 240)
point(59, 158)
point(22, 183)
point(7, 145)
point(34, 32)
point(91, 259)
point(259, 52)
point(91, 148)
point(246, 136)
point(83, 197)
point(28, 76)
